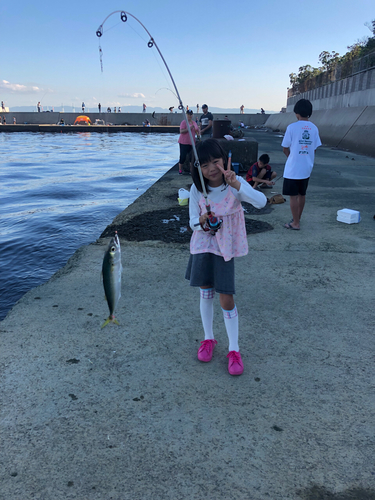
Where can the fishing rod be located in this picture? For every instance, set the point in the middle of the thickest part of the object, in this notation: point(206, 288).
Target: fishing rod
point(213, 222)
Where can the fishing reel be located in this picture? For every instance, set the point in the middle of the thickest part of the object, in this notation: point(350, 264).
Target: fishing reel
point(213, 224)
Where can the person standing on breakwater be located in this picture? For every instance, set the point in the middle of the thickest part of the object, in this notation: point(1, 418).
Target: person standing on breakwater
point(206, 123)
point(300, 141)
point(241, 109)
point(144, 108)
point(184, 139)
point(99, 107)
point(211, 263)
point(38, 106)
point(83, 107)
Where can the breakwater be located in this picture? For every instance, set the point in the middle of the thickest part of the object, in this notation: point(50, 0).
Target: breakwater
point(126, 119)
point(28, 127)
point(124, 412)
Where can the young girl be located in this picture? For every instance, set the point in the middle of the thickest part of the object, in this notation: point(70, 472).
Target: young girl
point(211, 263)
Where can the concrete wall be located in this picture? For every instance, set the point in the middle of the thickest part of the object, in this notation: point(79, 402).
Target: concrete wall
point(126, 118)
point(355, 91)
point(345, 128)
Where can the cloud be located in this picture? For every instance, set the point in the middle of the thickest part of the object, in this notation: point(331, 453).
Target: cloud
point(133, 96)
point(16, 88)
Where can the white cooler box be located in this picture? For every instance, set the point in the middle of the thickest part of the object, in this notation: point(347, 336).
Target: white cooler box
point(348, 216)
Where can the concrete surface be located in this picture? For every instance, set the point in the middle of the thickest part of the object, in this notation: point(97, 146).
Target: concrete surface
point(67, 129)
point(175, 119)
point(349, 128)
point(130, 413)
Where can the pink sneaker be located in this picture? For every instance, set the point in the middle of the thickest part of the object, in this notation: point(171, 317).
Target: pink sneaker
point(235, 365)
point(206, 350)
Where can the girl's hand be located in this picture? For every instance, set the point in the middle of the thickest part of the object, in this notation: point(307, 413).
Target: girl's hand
point(203, 218)
point(230, 178)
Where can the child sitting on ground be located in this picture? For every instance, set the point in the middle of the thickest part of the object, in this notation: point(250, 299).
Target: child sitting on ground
point(260, 174)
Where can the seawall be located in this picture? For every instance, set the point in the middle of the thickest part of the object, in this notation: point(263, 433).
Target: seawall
point(354, 91)
point(162, 119)
point(344, 128)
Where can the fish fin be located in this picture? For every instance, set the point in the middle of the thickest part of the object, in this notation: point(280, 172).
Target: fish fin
point(110, 320)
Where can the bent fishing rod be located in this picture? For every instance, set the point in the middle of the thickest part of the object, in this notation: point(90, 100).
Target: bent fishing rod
point(213, 222)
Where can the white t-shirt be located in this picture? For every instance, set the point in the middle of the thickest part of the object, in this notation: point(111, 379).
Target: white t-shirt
point(302, 138)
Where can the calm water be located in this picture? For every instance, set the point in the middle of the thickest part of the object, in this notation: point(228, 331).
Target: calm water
point(60, 191)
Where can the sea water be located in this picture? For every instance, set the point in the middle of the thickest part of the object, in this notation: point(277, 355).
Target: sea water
point(60, 191)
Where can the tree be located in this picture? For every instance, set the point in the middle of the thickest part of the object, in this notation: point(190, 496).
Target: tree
point(328, 60)
point(306, 78)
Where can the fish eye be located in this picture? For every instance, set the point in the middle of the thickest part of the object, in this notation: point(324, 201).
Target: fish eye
point(113, 249)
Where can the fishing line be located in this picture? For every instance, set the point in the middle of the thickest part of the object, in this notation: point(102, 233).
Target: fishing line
point(166, 88)
point(153, 53)
point(213, 222)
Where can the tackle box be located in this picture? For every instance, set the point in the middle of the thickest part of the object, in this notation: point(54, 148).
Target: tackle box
point(348, 216)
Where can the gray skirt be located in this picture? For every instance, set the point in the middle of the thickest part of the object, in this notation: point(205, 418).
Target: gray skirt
point(208, 269)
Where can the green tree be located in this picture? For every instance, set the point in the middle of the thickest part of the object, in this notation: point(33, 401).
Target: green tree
point(328, 60)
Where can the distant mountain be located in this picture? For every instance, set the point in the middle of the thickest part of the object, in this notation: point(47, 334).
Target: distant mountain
point(132, 109)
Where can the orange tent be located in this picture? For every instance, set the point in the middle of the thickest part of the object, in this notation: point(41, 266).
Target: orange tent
point(82, 120)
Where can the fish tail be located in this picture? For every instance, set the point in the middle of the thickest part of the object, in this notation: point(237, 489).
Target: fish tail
point(110, 319)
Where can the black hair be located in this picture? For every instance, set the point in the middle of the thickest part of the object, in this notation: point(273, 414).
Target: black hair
point(207, 150)
point(264, 159)
point(304, 108)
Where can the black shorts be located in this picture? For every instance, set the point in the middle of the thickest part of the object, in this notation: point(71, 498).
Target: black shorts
point(184, 151)
point(294, 187)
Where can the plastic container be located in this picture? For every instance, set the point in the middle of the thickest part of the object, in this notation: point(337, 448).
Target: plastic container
point(348, 216)
point(236, 167)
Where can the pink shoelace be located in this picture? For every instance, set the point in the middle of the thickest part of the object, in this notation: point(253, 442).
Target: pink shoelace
point(207, 345)
point(234, 357)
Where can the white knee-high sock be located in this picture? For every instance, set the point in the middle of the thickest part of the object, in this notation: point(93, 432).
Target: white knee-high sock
point(207, 311)
point(231, 324)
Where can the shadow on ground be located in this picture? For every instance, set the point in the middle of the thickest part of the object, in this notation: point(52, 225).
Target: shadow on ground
point(321, 493)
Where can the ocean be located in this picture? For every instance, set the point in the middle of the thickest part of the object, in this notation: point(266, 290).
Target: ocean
point(60, 191)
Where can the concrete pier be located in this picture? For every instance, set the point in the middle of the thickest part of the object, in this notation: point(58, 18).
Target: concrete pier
point(159, 119)
point(129, 412)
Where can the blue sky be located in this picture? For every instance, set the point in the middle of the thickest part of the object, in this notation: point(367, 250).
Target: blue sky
point(219, 52)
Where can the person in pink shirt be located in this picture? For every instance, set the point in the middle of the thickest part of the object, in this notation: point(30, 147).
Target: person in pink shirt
point(211, 263)
point(184, 139)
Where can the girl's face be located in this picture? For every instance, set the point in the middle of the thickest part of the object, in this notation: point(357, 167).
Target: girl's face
point(212, 173)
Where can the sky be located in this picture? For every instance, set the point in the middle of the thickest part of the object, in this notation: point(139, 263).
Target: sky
point(220, 53)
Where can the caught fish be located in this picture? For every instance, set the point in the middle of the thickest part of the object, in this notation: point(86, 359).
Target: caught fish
point(111, 271)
